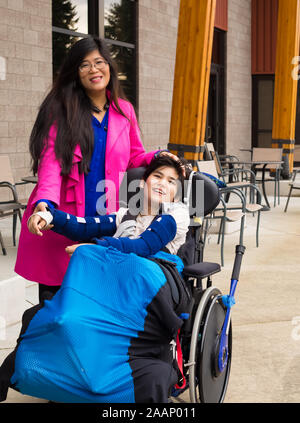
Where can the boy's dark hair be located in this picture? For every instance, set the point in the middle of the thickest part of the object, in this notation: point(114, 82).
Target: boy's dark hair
point(164, 160)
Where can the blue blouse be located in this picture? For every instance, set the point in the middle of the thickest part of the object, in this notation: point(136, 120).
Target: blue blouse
point(95, 203)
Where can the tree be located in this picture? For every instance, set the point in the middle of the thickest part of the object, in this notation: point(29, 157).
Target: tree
point(120, 25)
point(63, 16)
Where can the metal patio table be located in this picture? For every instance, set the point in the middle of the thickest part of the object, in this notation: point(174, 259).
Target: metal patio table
point(253, 165)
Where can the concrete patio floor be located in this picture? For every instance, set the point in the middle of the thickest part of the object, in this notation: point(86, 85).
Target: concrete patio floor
point(266, 318)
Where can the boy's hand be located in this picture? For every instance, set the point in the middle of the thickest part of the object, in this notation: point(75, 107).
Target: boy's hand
point(36, 224)
point(70, 249)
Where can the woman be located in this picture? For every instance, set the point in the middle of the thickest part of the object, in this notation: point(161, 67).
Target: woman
point(85, 133)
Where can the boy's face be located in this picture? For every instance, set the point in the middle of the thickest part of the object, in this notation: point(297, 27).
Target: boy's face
point(161, 186)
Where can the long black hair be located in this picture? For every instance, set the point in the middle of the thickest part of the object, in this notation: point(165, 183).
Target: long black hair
point(68, 107)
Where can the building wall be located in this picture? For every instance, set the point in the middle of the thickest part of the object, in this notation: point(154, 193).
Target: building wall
point(158, 22)
point(238, 86)
point(26, 73)
point(25, 76)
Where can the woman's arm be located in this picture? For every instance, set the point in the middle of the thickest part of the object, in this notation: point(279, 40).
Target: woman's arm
point(49, 172)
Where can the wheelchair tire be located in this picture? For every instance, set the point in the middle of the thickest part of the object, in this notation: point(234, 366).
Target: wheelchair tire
point(207, 385)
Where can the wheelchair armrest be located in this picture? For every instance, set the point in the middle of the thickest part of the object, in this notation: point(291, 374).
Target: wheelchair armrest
point(201, 270)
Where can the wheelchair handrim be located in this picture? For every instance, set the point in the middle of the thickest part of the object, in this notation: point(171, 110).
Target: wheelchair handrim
point(212, 387)
point(208, 295)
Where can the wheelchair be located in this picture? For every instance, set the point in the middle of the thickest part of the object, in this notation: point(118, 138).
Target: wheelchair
point(204, 345)
point(134, 323)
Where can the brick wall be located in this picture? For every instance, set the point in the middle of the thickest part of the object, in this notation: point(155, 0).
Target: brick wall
point(158, 22)
point(238, 110)
point(25, 76)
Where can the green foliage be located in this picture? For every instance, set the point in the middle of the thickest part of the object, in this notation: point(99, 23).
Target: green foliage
point(120, 26)
point(63, 16)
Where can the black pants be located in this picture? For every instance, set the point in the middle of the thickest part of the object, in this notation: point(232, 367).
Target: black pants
point(46, 292)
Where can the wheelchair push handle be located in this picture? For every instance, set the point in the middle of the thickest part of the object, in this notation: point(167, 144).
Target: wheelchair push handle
point(229, 301)
point(239, 252)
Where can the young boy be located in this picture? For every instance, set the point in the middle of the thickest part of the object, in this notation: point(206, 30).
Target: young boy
point(161, 223)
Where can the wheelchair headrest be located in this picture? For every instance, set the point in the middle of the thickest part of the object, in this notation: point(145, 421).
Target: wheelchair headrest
point(203, 190)
point(130, 185)
point(200, 192)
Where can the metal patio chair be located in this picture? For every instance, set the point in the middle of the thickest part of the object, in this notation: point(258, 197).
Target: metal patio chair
point(10, 205)
point(231, 171)
point(230, 213)
point(261, 154)
point(293, 185)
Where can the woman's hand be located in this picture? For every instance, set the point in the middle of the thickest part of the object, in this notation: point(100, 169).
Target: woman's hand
point(70, 249)
point(36, 224)
point(172, 156)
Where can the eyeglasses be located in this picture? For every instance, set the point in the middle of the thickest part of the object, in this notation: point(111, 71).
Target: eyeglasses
point(99, 65)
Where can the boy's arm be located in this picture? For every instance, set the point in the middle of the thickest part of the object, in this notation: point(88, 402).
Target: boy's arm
point(79, 228)
point(161, 231)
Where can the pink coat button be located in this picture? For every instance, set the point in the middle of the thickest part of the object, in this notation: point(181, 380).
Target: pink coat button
point(108, 172)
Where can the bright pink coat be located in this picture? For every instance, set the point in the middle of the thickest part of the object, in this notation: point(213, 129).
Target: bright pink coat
point(43, 259)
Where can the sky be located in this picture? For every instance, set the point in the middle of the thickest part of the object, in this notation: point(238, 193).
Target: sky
point(81, 7)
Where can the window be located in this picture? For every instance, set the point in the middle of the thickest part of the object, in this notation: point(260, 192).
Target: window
point(262, 110)
point(69, 24)
point(113, 20)
point(215, 124)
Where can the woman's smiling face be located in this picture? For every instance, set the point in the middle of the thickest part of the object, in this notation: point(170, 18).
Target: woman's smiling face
point(161, 186)
point(94, 73)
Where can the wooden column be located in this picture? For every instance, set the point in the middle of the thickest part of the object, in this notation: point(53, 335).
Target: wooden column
point(285, 95)
point(191, 79)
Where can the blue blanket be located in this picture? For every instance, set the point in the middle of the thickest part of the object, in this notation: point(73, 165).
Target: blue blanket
point(104, 337)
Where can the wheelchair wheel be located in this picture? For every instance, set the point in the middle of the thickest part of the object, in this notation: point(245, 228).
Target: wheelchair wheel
point(206, 383)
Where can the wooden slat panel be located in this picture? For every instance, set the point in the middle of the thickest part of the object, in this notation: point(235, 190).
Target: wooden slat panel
point(260, 37)
point(179, 75)
point(203, 100)
point(267, 34)
point(285, 95)
point(221, 18)
point(264, 30)
point(253, 35)
point(274, 19)
point(192, 71)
